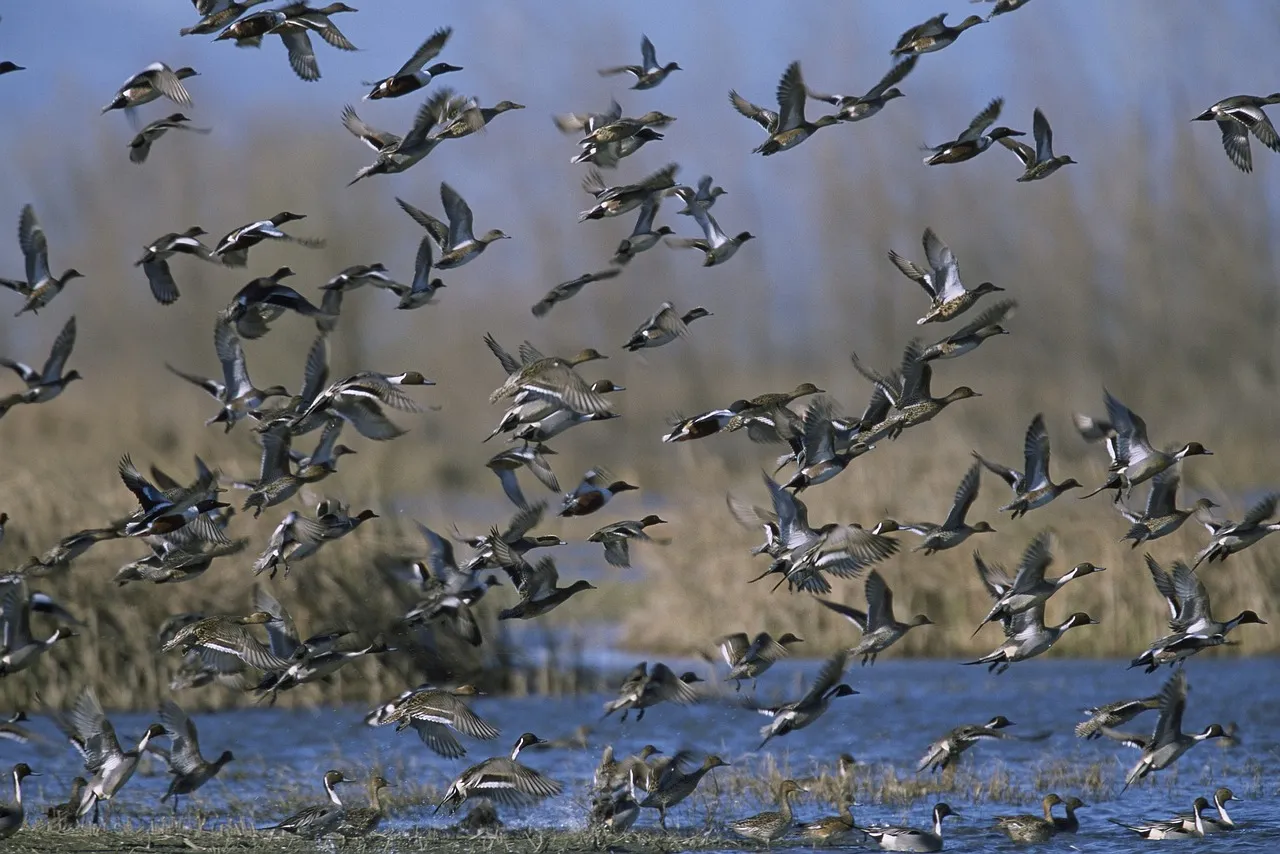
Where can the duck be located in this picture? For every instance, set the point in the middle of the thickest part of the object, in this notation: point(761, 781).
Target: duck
point(532, 406)
point(1029, 587)
point(293, 23)
point(495, 546)
point(505, 464)
point(948, 296)
point(234, 247)
point(616, 538)
point(362, 821)
point(155, 260)
point(435, 714)
point(1168, 742)
point(663, 326)
point(646, 686)
point(566, 290)
point(152, 82)
point(236, 394)
point(598, 486)
point(414, 74)
point(953, 530)
point(397, 153)
point(803, 712)
point(816, 453)
point(986, 325)
point(1136, 460)
point(749, 658)
point(1162, 516)
point(422, 290)
point(1174, 828)
point(1030, 828)
point(318, 820)
point(1237, 116)
point(1190, 617)
point(855, 108)
point(675, 785)
point(910, 395)
point(1038, 162)
point(616, 812)
point(1069, 824)
point(648, 73)
point(1114, 714)
point(472, 117)
point(643, 236)
point(18, 649)
point(502, 780)
point(62, 816)
point(277, 482)
point(788, 127)
point(189, 768)
point(972, 141)
point(801, 553)
point(457, 242)
point(66, 550)
point(880, 630)
point(229, 635)
point(716, 246)
point(1228, 538)
point(40, 286)
point(769, 827)
point(547, 428)
point(623, 198)
point(1222, 823)
point(1027, 636)
point(536, 584)
point(771, 405)
point(140, 145)
point(830, 829)
point(1032, 487)
point(12, 816)
point(946, 751)
point(611, 773)
point(704, 424)
point(264, 299)
point(895, 838)
point(7, 66)
point(625, 127)
point(89, 731)
point(51, 380)
point(704, 196)
point(932, 35)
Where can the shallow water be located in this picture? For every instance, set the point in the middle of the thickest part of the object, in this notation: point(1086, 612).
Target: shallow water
point(901, 707)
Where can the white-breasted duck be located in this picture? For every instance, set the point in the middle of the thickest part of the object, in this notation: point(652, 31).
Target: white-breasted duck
point(1161, 516)
point(972, 141)
point(1228, 538)
point(458, 243)
point(788, 127)
point(1032, 487)
point(1134, 458)
point(897, 838)
point(1029, 587)
point(803, 712)
point(414, 74)
point(716, 246)
point(234, 247)
point(643, 236)
point(502, 780)
point(155, 261)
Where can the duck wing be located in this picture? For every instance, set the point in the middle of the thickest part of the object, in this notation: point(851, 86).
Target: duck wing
point(966, 492)
point(733, 648)
point(1044, 136)
point(61, 350)
point(459, 213)
point(1192, 598)
point(378, 140)
point(858, 618)
point(184, 757)
point(879, 602)
point(1164, 584)
point(426, 51)
point(35, 249)
point(1162, 499)
point(1035, 560)
point(791, 96)
point(828, 676)
point(994, 577)
point(946, 270)
point(767, 119)
point(895, 75)
point(1173, 702)
point(982, 120)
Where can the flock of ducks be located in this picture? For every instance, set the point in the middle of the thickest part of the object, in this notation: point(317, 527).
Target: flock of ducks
point(185, 525)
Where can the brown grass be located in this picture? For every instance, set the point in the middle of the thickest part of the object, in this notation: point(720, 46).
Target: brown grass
point(1152, 284)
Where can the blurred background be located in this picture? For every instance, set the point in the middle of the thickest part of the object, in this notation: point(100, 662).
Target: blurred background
point(1147, 268)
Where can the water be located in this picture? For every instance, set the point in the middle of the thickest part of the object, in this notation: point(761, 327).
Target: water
point(901, 707)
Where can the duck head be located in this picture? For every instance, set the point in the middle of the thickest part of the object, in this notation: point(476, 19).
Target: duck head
point(841, 690)
point(1080, 570)
point(286, 216)
point(444, 68)
point(651, 519)
point(621, 486)
point(941, 811)
point(1249, 617)
point(920, 620)
point(999, 722)
point(891, 93)
point(258, 618)
point(961, 393)
point(713, 761)
point(1213, 731)
point(1003, 132)
point(987, 288)
point(606, 386)
point(494, 234)
point(1079, 618)
point(788, 639)
point(504, 106)
point(1194, 449)
point(983, 528)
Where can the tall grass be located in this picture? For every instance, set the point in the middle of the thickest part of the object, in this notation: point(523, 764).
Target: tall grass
point(1148, 270)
